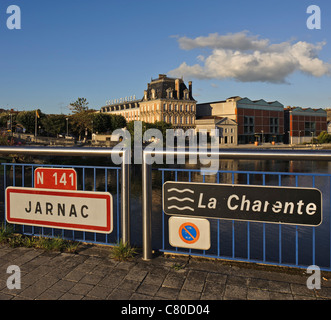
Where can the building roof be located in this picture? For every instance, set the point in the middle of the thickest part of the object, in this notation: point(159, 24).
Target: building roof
point(163, 84)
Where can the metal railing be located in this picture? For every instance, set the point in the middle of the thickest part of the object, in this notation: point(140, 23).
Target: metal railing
point(290, 155)
point(88, 152)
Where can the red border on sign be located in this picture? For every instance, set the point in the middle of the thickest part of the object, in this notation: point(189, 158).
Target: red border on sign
point(78, 227)
point(193, 226)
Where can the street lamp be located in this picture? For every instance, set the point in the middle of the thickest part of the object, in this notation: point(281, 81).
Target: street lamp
point(67, 126)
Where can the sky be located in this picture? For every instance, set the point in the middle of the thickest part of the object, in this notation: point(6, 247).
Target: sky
point(106, 49)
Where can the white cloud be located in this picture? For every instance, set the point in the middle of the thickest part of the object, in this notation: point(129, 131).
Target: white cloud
point(247, 58)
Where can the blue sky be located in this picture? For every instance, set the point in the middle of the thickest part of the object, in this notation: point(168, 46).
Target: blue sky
point(105, 49)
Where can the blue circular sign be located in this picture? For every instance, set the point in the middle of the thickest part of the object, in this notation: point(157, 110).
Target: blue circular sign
point(189, 232)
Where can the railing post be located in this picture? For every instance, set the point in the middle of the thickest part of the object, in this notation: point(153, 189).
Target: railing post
point(147, 209)
point(125, 197)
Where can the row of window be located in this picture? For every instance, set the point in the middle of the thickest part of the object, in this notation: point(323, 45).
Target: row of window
point(169, 107)
point(170, 119)
point(249, 125)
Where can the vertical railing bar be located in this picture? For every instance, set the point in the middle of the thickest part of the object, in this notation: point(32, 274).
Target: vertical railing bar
point(330, 221)
point(314, 235)
point(94, 178)
point(233, 230)
point(83, 185)
point(14, 175)
point(23, 174)
point(94, 188)
point(280, 228)
point(118, 205)
point(106, 189)
point(218, 224)
point(248, 228)
point(5, 186)
point(296, 234)
point(163, 222)
point(263, 226)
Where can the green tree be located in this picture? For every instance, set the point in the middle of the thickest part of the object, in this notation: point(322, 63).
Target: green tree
point(101, 123)
point(117, 122)
point(54, 124)
point(324, 137)
point(79, 106)
point(28, 120)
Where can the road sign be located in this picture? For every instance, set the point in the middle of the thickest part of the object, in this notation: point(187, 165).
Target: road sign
point(193, 233)
point(299, 206)
point(189, 233)
point(55, 178)
point(74, 210)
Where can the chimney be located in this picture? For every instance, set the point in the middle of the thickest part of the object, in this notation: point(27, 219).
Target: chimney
point(190, 88)
point(177, 88)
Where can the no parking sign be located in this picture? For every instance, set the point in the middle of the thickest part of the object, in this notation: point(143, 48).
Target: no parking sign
point(193, 233)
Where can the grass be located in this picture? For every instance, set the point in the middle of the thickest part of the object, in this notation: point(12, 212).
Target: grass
point(7, 236)
point(122, 252)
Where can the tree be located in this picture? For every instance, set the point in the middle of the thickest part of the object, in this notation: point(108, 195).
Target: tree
point(101, 123)
point(117, 122)
point(28, 120)
point(324, 137)
point(80, 105)
point(54, 124)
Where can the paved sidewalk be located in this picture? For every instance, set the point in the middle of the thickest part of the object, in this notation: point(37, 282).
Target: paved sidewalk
point(92, 275)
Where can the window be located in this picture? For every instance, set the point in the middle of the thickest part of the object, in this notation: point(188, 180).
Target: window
point(310, 129)
point(181, 108)
point(273, 125)
point(192, 108)
point(164, 107)
point(176, 107)
point(248, 125)
point(170, 107)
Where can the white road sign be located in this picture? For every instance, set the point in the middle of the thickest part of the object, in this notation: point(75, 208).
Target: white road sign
point(64, 209)
point(191, 233)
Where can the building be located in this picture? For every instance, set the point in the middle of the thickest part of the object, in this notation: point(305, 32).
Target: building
point(169, 100)
point(128, 108)
point(227, 128)
point(166, 99)
point(256, 120)
point(301, 125)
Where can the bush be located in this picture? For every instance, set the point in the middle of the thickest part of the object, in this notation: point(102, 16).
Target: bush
point(324, 137)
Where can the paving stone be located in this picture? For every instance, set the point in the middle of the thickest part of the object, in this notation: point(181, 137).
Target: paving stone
point(234, 292)
point(168, 293)
point(173, 280)
point(148, 289)
point(100, 292)
point(71, 296)
point(188, 295)
point(50, 295)
point(257, 294)
point(81, 289)
point(119, 294)
point(63, 285)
